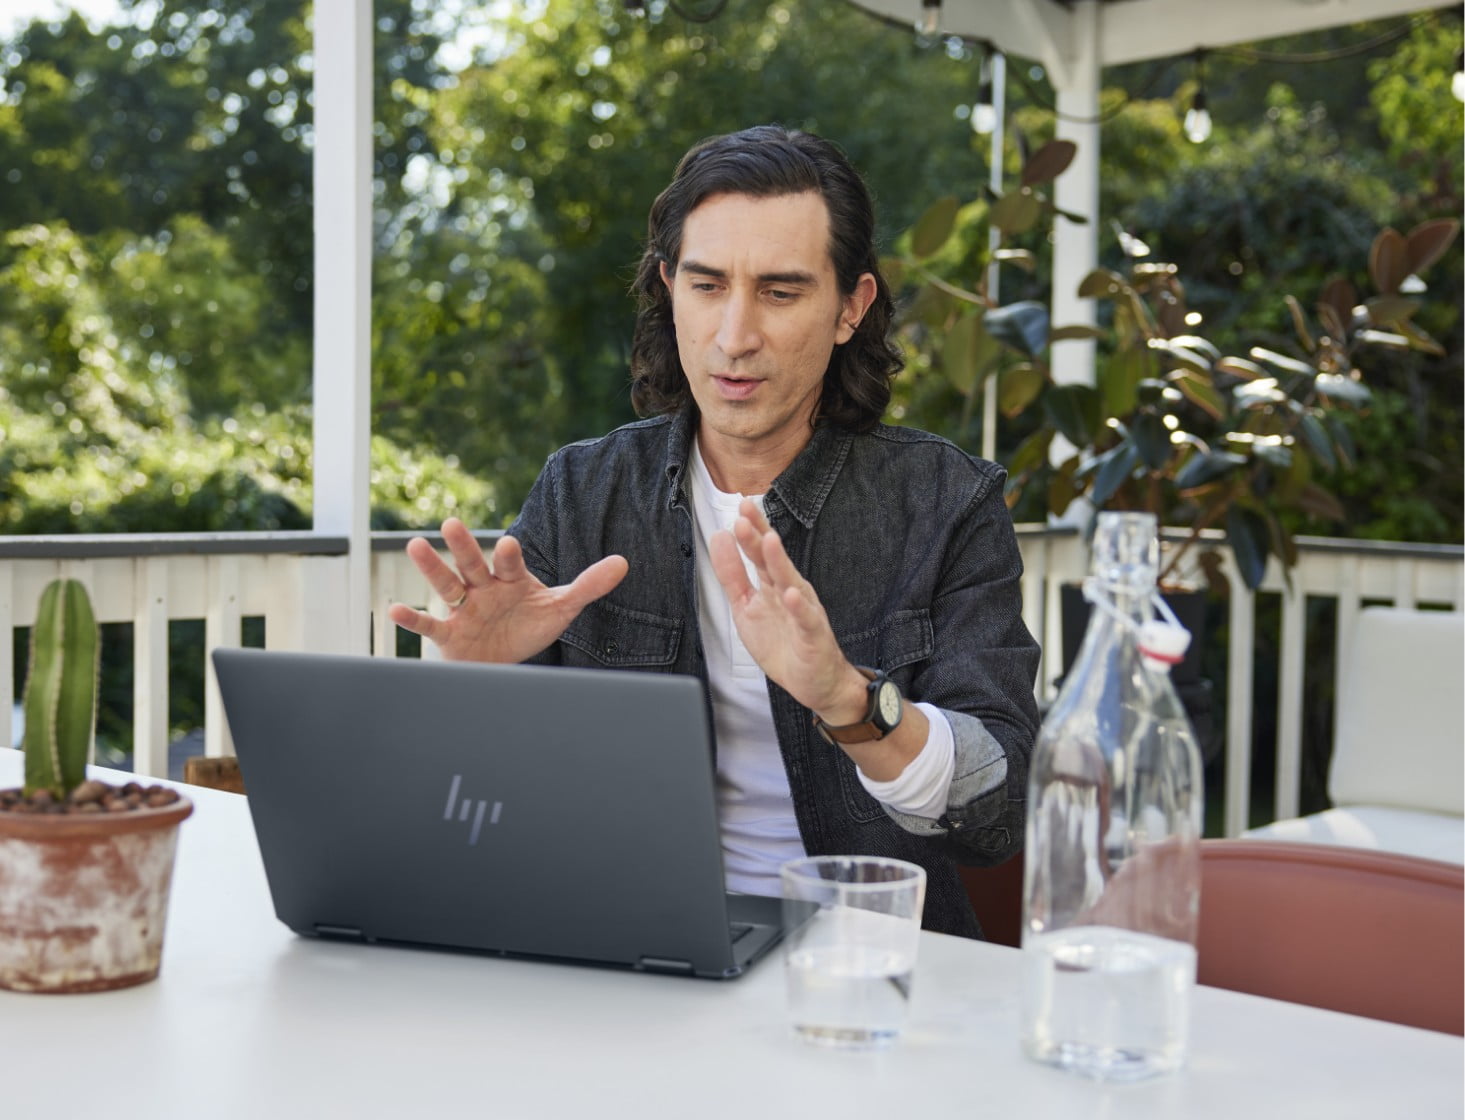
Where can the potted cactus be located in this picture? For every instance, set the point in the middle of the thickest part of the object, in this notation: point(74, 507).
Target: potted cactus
point(85, 867)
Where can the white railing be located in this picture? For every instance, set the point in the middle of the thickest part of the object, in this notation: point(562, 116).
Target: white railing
point(295, 582)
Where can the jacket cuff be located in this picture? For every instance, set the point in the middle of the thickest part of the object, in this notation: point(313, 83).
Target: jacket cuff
point(978, 793)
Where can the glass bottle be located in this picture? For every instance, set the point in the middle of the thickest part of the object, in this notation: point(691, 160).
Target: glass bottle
point(1115, 815)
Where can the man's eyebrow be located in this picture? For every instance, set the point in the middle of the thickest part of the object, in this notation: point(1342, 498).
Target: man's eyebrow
point(805, 279)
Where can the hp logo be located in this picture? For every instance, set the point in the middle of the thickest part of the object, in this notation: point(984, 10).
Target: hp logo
point(466, 809)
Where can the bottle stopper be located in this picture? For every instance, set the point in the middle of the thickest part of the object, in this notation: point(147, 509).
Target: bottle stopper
point(1163, 644)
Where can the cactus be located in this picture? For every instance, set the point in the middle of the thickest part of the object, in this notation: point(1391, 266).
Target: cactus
point(61, 689)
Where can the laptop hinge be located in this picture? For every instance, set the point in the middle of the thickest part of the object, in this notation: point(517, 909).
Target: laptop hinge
point(666, 964)
point(324, 930)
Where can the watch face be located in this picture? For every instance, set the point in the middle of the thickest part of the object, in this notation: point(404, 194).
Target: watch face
point(889, 701)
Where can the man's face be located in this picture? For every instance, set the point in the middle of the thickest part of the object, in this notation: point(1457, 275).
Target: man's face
point(758, 312)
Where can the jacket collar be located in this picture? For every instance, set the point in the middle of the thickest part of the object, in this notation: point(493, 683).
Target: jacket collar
point(802, 487)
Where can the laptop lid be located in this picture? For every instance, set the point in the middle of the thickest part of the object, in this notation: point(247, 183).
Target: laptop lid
point(525, 810)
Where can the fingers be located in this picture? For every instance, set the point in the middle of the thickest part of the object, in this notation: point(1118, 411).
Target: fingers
point(595, 581)
point(508, 561)
point(467, 555)
point(442, 579)
point(727, 565)
point(418, 622)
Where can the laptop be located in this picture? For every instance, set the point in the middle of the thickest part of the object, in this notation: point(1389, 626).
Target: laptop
point(564, 814)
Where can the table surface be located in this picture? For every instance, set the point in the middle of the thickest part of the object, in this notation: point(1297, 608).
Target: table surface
point(248, 1020)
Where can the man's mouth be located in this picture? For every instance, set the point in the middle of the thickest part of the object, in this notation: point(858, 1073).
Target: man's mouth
point(735, 388)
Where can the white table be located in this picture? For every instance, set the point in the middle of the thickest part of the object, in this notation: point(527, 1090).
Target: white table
point(247, 1020)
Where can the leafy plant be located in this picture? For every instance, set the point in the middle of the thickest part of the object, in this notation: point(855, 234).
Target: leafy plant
point(1207, 440)
point(951, 324)
point(61, 689)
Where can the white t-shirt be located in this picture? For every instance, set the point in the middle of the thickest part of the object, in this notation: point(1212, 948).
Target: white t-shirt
point(755, 806)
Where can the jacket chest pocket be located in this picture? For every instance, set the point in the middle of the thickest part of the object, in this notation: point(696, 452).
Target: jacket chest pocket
point(898, 645)
point(616, 637)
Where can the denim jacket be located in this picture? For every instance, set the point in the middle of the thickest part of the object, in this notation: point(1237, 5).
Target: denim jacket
point(910, 548)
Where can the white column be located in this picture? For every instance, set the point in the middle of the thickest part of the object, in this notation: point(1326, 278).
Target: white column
point(342, 365)
point(1076, 247)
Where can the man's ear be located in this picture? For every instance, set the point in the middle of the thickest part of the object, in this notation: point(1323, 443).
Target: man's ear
point(855, 305)
point(665, 274)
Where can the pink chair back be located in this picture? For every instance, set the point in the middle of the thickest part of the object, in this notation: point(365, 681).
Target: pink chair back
point(1348, 929)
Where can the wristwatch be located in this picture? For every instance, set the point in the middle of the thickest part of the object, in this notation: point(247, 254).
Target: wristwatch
point(881, 719)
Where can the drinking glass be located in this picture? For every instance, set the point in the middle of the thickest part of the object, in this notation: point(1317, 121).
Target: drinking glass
point(853, 924)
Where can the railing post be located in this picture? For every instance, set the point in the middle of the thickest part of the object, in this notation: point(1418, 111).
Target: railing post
point(221, 629)
point(150, 666)
point(1239, 663)
point(7, 657)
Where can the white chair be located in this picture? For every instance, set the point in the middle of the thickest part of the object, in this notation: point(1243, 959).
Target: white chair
point(1397, 778)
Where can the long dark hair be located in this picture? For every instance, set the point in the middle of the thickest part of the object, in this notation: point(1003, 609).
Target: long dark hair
point(767, 162)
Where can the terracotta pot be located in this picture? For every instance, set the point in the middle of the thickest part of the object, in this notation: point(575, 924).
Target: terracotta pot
point(84, 897)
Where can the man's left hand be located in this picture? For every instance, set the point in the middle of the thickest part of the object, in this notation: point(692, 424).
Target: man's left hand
point(785, 629)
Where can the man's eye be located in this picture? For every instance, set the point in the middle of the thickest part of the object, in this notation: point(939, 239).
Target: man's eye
point(778, 295)
point(703, 286)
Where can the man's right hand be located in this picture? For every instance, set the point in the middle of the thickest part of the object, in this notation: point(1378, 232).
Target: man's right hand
point(499, 610)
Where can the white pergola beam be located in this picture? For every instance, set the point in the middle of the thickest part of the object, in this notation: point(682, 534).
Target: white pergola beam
point(1133, 30)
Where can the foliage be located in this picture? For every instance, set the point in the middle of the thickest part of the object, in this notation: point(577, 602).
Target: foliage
point(1175, 428)
point(61, 689)
point(950, 323)
point(95, 437)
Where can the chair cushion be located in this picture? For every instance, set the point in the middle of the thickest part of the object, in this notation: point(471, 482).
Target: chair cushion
point(1399, 739)
point(1381, 828)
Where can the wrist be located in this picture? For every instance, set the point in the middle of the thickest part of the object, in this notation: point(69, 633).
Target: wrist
point(852, 700)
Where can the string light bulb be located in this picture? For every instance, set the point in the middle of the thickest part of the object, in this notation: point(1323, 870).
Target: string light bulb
point(1198, 118)
point(984, 112)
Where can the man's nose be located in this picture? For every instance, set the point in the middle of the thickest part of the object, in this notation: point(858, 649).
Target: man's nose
point(738, 333)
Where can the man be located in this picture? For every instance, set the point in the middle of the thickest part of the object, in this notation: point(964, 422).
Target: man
point(848, 591)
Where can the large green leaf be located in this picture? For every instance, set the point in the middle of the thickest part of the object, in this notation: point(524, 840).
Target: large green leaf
point(1016, 212)
point(1019, 387)
point(1077, 330)
point(934, 226)
point(1277, 455)
point(1388, 261)
point(1316, 439)
point(1200, 392)
point(1152, 440)
point(1120, 376)
point(1074, 411)
point(1341, 388)
point(1114, 468)
point(1257, 393)
point(1248, 536)
point(1182, 355)
point(1343, 441)
point(1022, 325)
point(1428, 242)
point(1061, 488)
point(1281, 361)
point(1048, 162)
point(969, 352)
point(1100, 284)
point(1032, 452)
point(1208, 466)
point(1240, 367)
point(1385, 311)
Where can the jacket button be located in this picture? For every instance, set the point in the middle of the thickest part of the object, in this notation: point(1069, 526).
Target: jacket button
point(686, 549)
point(610, 649)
